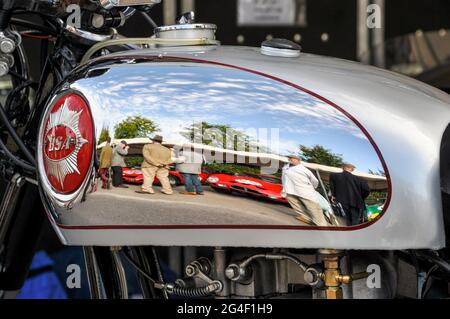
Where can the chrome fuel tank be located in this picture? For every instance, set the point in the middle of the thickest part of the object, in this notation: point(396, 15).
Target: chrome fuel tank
point(232, 117)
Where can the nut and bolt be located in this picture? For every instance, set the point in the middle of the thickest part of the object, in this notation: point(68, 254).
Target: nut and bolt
point(191, 270)
point(232, 272)
point(7, 45)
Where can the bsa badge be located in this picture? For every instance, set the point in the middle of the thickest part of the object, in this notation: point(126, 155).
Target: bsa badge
point(68, 143)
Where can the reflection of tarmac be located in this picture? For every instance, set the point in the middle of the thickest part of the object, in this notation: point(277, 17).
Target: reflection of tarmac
point(159, 209)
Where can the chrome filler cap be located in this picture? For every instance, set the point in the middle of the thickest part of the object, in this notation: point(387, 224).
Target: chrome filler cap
point(281, 48)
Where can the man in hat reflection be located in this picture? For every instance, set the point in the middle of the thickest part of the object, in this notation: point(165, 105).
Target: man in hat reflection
point(351, 191)
point(156, 163)
point(299, 188)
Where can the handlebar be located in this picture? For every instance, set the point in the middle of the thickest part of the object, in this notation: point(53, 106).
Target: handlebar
point(109, 4)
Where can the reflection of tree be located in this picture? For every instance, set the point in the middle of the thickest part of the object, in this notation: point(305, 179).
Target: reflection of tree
point(231, 169)
point(379, 172)
point(134, 161)
point(104, 134)
point(222, 136)
point(376, 197)
point(135, 126)
point(320, 155)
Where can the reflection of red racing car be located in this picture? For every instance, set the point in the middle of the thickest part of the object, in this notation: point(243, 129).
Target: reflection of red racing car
point(135, 176)
point(267, 186)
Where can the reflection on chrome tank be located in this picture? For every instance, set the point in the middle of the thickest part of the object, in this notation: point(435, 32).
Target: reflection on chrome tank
point(196, 144)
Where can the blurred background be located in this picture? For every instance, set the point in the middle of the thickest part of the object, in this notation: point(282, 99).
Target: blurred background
point(411, 37)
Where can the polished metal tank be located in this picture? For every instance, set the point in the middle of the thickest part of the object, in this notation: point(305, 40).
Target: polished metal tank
point(245, 113)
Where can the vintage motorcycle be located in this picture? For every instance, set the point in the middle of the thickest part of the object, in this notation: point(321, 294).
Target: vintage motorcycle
point(246, 110)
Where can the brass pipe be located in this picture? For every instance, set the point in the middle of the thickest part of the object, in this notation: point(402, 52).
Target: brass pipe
point(346, 279)
point(332, 276)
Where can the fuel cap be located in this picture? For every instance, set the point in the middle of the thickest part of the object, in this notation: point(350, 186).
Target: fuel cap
point(281, 48)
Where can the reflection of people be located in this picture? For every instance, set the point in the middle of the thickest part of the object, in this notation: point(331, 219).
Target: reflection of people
point(189, 164)
point(106, 162)
point(118, 161)
point(351, 191)
point(299, 186)
point(156, 160)
point(327, 210)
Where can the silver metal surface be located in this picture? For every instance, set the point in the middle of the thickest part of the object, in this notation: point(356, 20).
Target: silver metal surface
point(93, 274)
point(120, 271)
point(7, 45)
point(285, 53)
point(186, 18)
point(7, 42)
point(109, 4)
point(85, 36)
point(186, 31)
point(282, 274)
point(220, 264)
point(348, 108)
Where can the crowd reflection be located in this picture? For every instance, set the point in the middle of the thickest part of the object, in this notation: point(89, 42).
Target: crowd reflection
point(325, 196)
point(228, 147)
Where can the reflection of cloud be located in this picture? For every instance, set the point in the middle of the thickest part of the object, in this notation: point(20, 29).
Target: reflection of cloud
point(176, 74)
point(225, 85)
point(242, 80)
point(318, 114)
point(171, 97)
point(170, 128)
point(181, 82)
point(287, 147)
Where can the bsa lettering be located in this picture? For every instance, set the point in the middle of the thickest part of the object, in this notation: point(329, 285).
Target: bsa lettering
point(56, 143)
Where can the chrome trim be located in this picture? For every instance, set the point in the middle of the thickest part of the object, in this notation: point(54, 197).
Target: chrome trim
point(87, 35)
point(120, 271)
point(93, 274)
point(190, 26)
point(109, 4)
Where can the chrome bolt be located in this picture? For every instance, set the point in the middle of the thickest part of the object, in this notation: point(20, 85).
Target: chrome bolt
point(190, 270)
point(310, 277)
point(7, 45)
point(313, 276)
point(231, 273)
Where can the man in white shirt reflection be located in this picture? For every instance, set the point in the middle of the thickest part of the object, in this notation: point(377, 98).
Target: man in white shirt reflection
point(299, 185)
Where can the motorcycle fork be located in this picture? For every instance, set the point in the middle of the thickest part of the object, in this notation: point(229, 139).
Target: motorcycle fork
point(106, 275)
point(105, 272)
point(22, 223)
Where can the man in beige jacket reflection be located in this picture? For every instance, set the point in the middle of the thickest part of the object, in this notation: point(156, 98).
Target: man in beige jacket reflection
point(299, 188)
point(156, 163)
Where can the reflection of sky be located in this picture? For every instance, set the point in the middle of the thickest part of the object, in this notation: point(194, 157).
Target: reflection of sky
point(177, 96)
